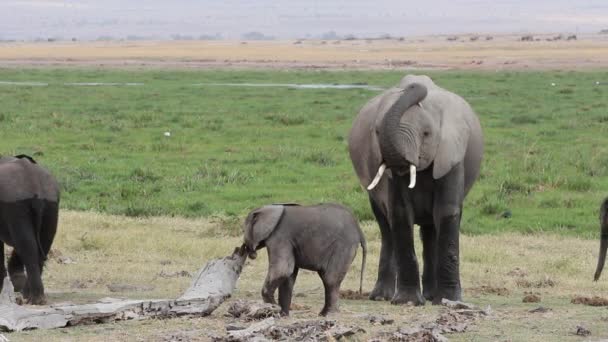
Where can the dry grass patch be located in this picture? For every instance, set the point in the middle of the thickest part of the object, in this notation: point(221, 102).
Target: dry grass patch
point(108, 250)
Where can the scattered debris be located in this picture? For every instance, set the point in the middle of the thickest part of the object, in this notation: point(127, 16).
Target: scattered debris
point(540, 309)
point(591, 301)
point(78, 284)
point(452, 321)
point(582, 331)
point(234, 326)
point(353, 295)
point(455, 304)
point(176, 274)
point(212, 285)
point(56, 255)
point(129, 288)
point(249, 333)
point(253, 310)
point(316, 330)
point(531, 298)
point(486, 290)
point(64, 260)
point(378, 320)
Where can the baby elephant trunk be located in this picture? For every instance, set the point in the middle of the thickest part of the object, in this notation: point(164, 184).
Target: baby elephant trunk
point(604, 239)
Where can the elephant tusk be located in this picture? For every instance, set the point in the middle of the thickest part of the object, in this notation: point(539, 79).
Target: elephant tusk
point(419, 104)
point(412, 177)
point(376, 180)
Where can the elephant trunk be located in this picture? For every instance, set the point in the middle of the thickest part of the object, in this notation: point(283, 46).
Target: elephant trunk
point(399, 146)
point(604, 239)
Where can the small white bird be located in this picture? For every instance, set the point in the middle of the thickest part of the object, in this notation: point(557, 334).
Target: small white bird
point(167, 134)
point(552, 84)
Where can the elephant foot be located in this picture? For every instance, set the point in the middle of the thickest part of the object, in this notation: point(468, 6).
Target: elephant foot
point(428, 293)
point(382, 291)
point(451, 293)
point(408, 295)
point(18, 280)
point(327, 311)
point(36, 300)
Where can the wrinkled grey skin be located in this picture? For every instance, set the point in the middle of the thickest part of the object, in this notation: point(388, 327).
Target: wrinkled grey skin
point(29, 207)
point(442, 137)
point(322, 238)
point(603, 239)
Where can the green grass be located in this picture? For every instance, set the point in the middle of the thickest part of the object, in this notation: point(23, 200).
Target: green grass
point(232, 149)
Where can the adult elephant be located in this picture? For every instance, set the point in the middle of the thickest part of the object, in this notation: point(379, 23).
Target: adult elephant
point(417, 148)
point(29, 207)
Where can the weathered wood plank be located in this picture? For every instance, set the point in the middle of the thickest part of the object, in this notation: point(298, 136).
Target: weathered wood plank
point(212, 285)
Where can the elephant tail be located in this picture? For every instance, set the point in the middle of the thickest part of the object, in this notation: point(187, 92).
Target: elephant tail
point(363, 260)
point(603, 240)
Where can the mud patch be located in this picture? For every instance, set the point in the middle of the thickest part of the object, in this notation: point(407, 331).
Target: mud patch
point(353, 295)
point(531, 298)
point(541, 283)
point(591, 301)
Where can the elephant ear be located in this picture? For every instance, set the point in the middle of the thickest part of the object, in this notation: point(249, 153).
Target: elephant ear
point(261, 224)
point(454, 137)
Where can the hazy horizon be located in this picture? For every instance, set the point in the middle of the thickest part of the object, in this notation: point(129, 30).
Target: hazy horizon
point(231, 19)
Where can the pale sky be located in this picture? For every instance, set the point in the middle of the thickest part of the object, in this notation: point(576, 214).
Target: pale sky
point(90, 19)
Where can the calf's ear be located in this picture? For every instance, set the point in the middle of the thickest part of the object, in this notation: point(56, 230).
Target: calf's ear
point(261, 223)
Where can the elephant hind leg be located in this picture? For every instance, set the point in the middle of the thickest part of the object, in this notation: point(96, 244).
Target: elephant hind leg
point(16, 272)
point(28, 253)
point(428, 234)
point(332, 293)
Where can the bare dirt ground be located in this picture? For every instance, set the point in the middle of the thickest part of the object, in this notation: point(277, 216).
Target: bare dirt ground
point(475, 52)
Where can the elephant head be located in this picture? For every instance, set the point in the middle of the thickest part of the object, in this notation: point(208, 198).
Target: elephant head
point(604, 239)
point(258, 226)
point(414, 134)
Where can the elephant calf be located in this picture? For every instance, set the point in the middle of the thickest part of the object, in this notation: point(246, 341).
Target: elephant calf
point(322, 238)
point(29, 207)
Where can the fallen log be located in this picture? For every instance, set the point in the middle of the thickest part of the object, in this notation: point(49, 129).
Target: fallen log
point(211, 286)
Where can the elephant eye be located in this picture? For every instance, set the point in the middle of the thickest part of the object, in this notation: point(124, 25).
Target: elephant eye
point(426, 133)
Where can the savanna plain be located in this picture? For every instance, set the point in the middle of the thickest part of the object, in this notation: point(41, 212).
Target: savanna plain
point(159, 167)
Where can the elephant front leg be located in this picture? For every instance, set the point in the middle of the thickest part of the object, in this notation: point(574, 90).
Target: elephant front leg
point(448, 269)
point(408, 276)
point(385, 284)
point(428, 234)
point(286, 292)
point(280, 268)
point(447, 212)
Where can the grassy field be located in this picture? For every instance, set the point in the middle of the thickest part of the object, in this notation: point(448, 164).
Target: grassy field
point(234, 148)
point(155, 254)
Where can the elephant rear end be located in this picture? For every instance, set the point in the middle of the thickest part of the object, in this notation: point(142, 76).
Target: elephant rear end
point(29, 200)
